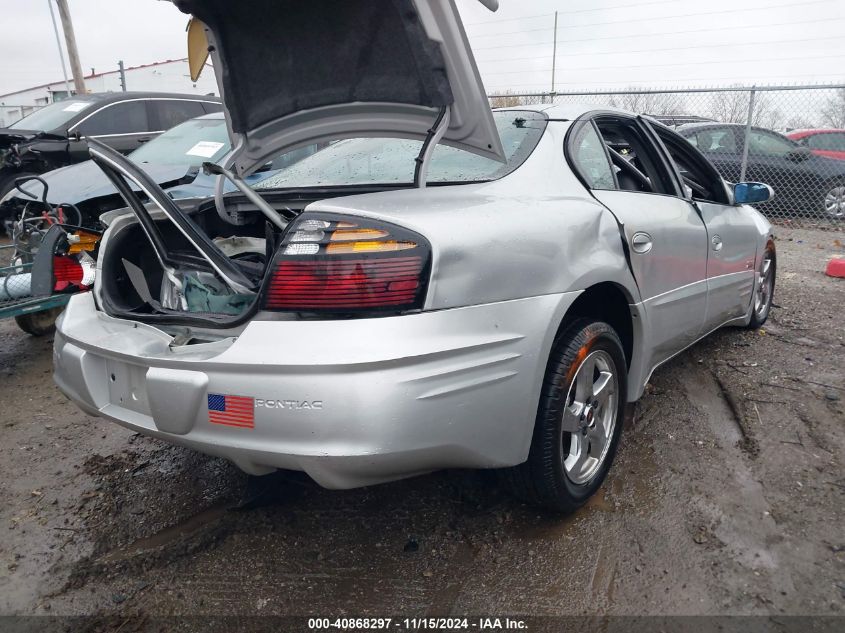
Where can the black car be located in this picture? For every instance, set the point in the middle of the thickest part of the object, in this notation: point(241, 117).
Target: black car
point(676, 120)
point(54, 136)
point(804, 183)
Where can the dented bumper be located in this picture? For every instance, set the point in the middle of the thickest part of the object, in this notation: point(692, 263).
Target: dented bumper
point(351, 403)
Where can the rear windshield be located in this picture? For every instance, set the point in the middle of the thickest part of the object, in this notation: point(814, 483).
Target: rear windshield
point(52, 116)
point(190, 143)
point(390, 161)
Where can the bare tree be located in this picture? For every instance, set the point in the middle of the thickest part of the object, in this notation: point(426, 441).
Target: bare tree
point(506, 99)
point(833, 112)
point(732, 107)
point(729, 107)
point(648, 102)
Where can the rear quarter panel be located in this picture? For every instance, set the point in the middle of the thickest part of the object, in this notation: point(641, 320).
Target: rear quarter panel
point(535, 232)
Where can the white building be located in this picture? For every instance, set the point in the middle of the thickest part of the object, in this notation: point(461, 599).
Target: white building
point(167, 76)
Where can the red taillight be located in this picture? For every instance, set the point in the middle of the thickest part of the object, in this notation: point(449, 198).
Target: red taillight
point(67, 270)
point(345, 283)
point(324, 265)
point(73, 273)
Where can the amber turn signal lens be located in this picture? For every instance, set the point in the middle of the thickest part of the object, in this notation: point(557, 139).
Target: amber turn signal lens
point(350, 235)
point(82, 241)
point(368, 247)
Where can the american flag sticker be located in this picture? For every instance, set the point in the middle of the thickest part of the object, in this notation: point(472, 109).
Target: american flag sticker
point(231, 410)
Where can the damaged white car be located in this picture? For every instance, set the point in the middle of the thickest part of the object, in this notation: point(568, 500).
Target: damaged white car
point(439, 286)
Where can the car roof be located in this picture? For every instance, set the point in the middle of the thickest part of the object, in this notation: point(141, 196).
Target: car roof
point(122, 96)
point(809, 131)
point(566, 111)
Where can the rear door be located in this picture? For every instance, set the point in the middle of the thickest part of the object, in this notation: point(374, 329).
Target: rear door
point(123, 126)
point(732, 234)
point(773, 159)
point(722, 147)
point(167, 113)
point(666, 237)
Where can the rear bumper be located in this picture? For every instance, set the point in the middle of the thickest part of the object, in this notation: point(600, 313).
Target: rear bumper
point(351, 403)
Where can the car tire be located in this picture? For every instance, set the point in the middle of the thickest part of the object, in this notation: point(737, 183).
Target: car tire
point(764, 288)
point(564, 468)
point(833, 203)
point(39, 323)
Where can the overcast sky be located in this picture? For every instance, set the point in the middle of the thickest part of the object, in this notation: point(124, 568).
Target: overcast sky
point(601, 43)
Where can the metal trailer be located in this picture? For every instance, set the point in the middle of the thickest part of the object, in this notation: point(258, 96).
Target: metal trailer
point(34, 315)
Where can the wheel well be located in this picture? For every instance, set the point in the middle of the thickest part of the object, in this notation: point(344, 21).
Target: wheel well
point(605, 302)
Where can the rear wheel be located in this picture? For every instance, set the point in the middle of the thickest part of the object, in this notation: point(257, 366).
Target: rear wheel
point(579, 419)
point(834, 202)
point(764, 289)
point(39, 323)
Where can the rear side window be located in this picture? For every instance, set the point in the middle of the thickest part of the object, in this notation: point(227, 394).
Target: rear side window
point(589, 157)
point(768, 144)
point(167, 113)
point(714, 141)
point(831, 142)
point(636, 160)
point(128, 117)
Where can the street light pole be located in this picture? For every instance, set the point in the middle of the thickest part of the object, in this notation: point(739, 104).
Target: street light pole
point(72, 52)
point(59, 44)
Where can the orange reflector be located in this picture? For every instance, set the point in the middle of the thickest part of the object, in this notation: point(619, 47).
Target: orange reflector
point(85, 242)
point(350, 235)
point(368, 247)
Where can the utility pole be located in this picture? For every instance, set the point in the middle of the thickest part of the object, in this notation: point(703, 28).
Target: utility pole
point(554, 57)
point(72, 52)
point(122, 75)
point(59, 44)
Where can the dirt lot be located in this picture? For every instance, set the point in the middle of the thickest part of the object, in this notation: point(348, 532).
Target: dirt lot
point(726, 498)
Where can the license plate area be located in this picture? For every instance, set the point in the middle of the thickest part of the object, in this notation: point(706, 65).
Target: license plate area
point(127, 386)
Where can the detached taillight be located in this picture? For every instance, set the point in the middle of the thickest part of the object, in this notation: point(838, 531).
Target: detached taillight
point(328, 264)
point(73, 272)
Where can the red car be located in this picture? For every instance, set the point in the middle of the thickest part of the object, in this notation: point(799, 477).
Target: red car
point(830, 143)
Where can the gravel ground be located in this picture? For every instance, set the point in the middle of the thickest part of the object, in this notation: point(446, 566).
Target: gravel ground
point(726, 498)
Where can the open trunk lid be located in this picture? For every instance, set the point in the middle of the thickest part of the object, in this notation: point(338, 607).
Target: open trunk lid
point(293, 73)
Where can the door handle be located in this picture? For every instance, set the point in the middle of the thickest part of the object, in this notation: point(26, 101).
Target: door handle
point(641, 242)
point(145, 139)
point(717, 243)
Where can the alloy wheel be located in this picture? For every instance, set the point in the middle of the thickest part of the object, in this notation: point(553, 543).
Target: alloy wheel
point(834, 202)
point(764, 287)
point(589, 418)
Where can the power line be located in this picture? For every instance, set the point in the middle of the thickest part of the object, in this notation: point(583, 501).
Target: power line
point(641, 35)
point(733, 61)
point(672, 17)
point(575, 11)
point(757, 80)
point(673, 48)
point(525, 17)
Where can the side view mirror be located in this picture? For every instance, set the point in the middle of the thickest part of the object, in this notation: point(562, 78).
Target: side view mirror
point(75, 136)
point(752, 192)
point(799, 154)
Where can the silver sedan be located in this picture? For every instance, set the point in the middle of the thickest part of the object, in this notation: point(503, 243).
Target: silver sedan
point(438, 286)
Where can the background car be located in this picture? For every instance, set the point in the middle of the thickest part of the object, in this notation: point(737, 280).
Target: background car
point(830, 143)
point(172, 159)
point(54, 136)
point(803, 181)
point(676, 120)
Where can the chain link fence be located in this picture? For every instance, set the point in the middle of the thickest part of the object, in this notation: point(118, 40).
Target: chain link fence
point(790, 137)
